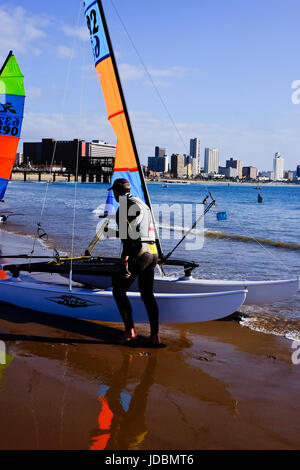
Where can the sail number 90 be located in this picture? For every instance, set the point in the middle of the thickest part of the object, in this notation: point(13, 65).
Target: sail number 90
point(6, 130)
point(94, 29)
point(9, 126)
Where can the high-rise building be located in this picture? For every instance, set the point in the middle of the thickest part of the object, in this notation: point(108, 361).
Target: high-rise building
point(177, 165)
point(57, 152)
point(195, 153)
point(160, 152)
point(96, 156)
point(19, 159)
point(98, 148)
point(238, 164)
point(228, 171)
point(239, 169)
point(211, 161)
point(158, 164)
point(278, 167)
point(188, 170)
point(298, 171)
point(250, 172)
point(193, 162)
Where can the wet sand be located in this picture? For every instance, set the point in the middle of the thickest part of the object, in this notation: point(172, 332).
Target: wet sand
point(71, 384)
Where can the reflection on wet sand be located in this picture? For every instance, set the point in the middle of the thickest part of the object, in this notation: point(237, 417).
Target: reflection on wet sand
point(3, 367)
point(199, 392)
point(121, 420)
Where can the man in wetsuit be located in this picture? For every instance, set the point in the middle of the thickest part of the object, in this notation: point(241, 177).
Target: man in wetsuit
point(139, 258)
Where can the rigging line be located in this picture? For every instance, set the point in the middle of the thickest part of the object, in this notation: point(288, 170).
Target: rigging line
point(153, 84)
point(32, 403)
point(74, 219)
point(205, 211)
point(82, 89)
point(214, 211)
point(63, 401)
point(62, 107)
point(150, 78)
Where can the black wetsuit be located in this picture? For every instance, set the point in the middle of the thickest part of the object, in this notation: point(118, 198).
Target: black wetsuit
point(142, 260)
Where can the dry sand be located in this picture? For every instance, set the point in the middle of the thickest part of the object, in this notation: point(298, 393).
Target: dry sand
point(70, 384)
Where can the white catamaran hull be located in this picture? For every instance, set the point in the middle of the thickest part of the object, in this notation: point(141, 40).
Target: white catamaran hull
point(259, 292)
point(91, 304)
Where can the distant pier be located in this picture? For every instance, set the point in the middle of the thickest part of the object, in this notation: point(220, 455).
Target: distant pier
point(47, 176)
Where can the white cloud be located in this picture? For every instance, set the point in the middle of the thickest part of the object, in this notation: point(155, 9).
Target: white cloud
point(88, 72)
point(131, 72)
point(34, 93)
point(64, 52)
point(20, 30)
point(78, 32)
point(170, 72)
point(40, 125)
point(138, 72)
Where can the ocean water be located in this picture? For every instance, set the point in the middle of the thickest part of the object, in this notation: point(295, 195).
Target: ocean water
point(228, 251)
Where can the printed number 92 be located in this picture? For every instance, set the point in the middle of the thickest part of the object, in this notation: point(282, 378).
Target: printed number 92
point(94, 28)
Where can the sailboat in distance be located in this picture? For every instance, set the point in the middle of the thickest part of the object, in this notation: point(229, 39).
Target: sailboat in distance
point(12, 98)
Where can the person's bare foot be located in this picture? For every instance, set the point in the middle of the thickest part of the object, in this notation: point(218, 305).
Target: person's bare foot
point(130, 335)
point(155, 340)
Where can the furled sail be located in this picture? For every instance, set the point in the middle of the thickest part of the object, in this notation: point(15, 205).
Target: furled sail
point(12, 98)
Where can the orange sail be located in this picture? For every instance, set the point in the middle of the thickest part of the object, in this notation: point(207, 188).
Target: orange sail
point(127, 163)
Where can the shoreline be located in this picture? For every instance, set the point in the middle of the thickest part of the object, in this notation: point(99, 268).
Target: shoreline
point(225, 183)
point(223, 385)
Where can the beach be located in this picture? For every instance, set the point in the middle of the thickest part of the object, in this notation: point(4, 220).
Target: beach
point(216, 385)
point(227, 244)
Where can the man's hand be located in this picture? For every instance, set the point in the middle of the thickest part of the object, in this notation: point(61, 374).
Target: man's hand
point(127, 272)
point(125, 269)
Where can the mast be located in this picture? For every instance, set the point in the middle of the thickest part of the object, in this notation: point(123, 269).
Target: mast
point(126, 114)
point(124, 102)
point(5, 63)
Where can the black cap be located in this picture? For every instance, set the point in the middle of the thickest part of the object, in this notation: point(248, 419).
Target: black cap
point(121, 184)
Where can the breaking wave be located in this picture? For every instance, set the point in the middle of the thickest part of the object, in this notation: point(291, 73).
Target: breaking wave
point(232, 236)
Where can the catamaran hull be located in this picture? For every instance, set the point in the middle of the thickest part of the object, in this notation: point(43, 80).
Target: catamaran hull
point(259, 292)
point(99, 305)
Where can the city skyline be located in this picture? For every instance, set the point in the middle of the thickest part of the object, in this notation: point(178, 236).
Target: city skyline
point(238, 163)
point(160, 161)
point(95, 154)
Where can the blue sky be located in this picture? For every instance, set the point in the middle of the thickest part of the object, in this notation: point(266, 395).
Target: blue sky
point(223, 68)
